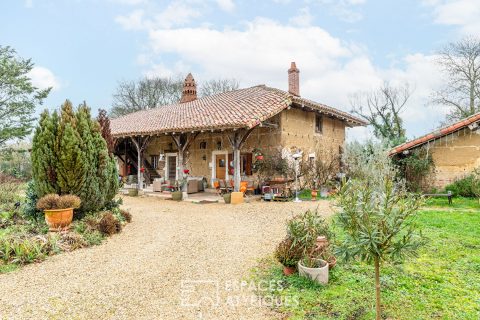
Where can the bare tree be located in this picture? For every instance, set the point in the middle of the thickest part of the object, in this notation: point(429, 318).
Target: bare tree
point(382, 108)
point(460, 61)
point(215, 86)
point(147, 93)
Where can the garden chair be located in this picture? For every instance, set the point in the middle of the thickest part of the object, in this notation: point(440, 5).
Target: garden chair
point(243, 187)
point(250, 187)
point(216, 186)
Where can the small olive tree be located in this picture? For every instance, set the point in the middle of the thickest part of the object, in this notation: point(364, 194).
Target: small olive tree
point(378, 216)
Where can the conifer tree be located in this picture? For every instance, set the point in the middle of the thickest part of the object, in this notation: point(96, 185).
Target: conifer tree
point(70, 156)
point(44, 159)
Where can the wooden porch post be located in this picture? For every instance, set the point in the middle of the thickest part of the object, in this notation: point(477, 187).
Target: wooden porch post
point(140, 144)
point(183, 142)
point(237, 139)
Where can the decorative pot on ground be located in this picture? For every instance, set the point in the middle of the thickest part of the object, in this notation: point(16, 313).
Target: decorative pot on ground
point(324, 192)
point(314, 195)
point(318, 273)
point(133, 192)
point(177, 195)
point(227, 197)
point(237, 197)
point(58, 219)
point(288, 271)
point(58, 210)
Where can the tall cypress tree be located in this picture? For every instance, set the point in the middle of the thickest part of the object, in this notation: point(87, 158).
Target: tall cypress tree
point(44, 159)
point(71, 165)
point(70, 156)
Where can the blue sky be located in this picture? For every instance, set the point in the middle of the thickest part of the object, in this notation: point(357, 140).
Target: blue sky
point(84, 47)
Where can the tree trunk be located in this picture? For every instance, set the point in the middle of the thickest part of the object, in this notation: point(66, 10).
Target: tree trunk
point(180, 165)
point(377, 288)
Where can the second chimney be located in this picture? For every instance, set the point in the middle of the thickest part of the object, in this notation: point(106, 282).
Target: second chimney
point(294, 80)
point(189, 92)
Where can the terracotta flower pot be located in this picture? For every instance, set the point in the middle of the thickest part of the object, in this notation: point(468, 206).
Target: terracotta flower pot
point(314, 195)
point(58, 219)
point(288, 271)
point(332, 262)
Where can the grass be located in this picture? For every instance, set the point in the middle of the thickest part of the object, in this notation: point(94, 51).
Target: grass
point(457, 203)
point(442, 283)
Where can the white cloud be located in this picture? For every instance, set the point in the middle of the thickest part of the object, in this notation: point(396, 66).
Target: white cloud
point(226, 5)
point(133, 21)
point(28, 4)
point(462, 13)
point(346, 10)
point(176, 13)
point(44, 78)
point(129, 2)
point(303, 19)
point(260, 52)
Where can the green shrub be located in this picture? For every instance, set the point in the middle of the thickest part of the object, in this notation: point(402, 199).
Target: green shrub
point(70, 156)
point(23, 250)
point(93, 238)
point(30, 205)
point(305, 228)
point(288, 254)
point(468, 187)
point(9, 195)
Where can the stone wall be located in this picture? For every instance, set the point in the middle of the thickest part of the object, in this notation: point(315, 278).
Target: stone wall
point(455, 156)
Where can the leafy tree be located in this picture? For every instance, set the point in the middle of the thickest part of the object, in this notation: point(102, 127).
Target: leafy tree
point(70, 156)
point(382, 108)
point(460, 61)
point(18, 97)
point(215, 86)
point(147, 93)
point(377, 216)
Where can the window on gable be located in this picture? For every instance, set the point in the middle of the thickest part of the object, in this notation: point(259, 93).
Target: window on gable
point(318, 123)
point(203, 145)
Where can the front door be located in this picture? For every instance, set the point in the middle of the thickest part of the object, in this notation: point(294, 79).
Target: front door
point(220, 163)
point(171, 168)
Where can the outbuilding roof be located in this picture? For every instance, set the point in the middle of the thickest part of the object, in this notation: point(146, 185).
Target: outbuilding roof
point(437, 134)
point(243, 108)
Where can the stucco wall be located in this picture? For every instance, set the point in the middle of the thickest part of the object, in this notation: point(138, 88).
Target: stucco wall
point(455, 156)
point(296, 130)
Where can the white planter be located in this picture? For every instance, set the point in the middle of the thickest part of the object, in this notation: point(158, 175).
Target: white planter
point(184, 195)
point(319, 275)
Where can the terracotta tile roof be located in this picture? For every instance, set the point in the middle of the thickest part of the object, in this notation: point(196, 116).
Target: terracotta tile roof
point(437, 134)
point(243, 108)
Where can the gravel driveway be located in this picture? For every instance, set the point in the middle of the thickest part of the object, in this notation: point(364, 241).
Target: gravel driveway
point(174, 261)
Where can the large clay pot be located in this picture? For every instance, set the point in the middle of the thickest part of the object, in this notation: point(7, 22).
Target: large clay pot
point(133, 192)
point(319, 275)
point(177, 195)
point(314, 195)
point(58, 219)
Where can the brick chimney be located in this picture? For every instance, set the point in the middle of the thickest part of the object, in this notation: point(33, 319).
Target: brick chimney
point(189, 92)
point(294, 80)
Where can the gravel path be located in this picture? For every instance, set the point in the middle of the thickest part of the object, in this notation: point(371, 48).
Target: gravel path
point(170, 257)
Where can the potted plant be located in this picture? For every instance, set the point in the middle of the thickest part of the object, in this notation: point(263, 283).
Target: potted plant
point(314, 268)
point(288, 255)
point(58, 210)
point(227, 197)
point(310, 232)
point(181, 187)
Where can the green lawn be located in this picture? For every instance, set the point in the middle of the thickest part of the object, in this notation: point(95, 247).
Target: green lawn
point(442, 283)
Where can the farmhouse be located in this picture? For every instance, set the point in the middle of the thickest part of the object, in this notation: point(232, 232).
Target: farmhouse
point(216, 137)
point(455, 149)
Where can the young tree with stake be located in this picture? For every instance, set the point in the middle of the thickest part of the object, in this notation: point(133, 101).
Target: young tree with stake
point(378, 219)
